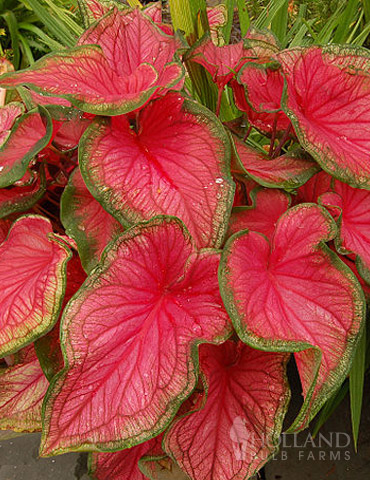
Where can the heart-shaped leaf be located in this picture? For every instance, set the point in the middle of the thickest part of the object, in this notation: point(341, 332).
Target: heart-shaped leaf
point(130, 338)
point(351, 206)
point(217, 18)
point(47, 347)
point(124, 464)
point(267, 207)
point(263, 42)
point(328, 100)
point(22, 390)
point(119, 64)
point(261, 96)
point(287, 171)
point(222, 63)
point(86, 221)
point(175, 161)
point(93, 10)
point(72, 123)
point(8, 115)
point(313, 188)
point(238, 429)
point(30, 134)
point(294, 294)
point(4, 229)
point(19, 199)
point(32, 278)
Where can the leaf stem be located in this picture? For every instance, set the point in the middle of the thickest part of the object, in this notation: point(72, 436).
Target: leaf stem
point(273, 136)
point(219, 98)
point(247, 133)
point(282, 142)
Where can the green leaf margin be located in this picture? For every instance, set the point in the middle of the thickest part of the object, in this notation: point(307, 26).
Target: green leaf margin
point(58, 295)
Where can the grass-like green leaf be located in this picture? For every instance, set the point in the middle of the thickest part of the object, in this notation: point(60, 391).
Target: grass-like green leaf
point(12, 24)
point(268, 13)
point(244, 19)
point(54, 23)
point(279, 24)
point(226, 30)
point(348, 17)
point(330, 406)
point(356, 386)
point(38, 32)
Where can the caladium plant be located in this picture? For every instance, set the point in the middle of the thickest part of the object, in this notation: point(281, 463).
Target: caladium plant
point(161, 262)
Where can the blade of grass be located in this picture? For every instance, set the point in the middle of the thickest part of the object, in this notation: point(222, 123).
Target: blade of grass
point(53, 24)
point(65, 17)
point(366, 8)
point(50, 42)
point(190, 16)
point(27, 52)
point(134, 3)
point(327, 31)
point(360, 39)
point(356, 386)
point(268, 13)
point(279, 24)
point(355, 28)
point(330, 407)
point(226, 30)
point(348, 17)
point(12, 25)
point(244, 19)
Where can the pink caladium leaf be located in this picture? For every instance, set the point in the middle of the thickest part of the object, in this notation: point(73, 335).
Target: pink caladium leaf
point(93, 10)
point(263, 42)
point(350, 207)
point(265, 122)
point(33, 99)
point(105, 74)
point(32, 278)
point(48, 347)
point(86, 221)
point(30, 134)
point(311, 190)
point(22, 390)
point(5, 225)
point(223, 63)
point(217, 18)
point(72, 123)
point(238, 429)
point(154, 11)
point(243, 189)
point(19, 199)
point(173, 163)
point(130, 338)
point(263, 88)
point(287, 171)
point(124, 464)
point(352, 265)
point(267, 207)
point(334, 124)
point(8, 115)
point(294, 294)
